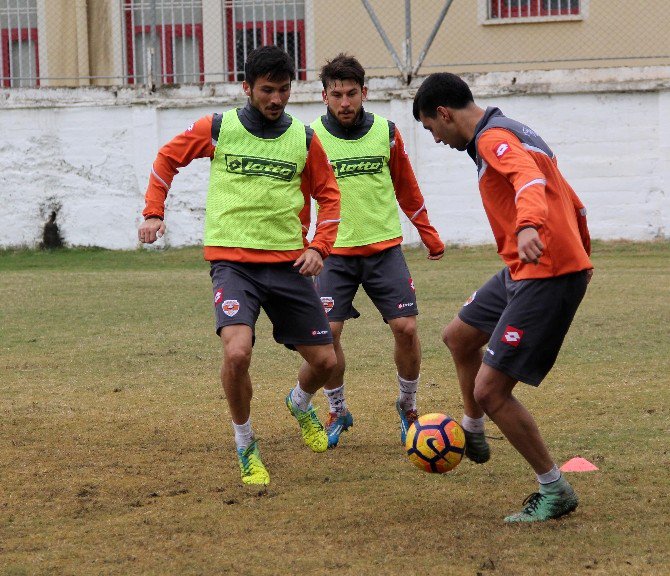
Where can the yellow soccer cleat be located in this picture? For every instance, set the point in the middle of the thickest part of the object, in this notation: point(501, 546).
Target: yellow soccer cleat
point(313, 433)
point(251, 466)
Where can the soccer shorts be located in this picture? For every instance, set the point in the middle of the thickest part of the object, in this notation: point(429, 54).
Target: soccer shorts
point(384, 277)
point(527, 321)
point(288, 298)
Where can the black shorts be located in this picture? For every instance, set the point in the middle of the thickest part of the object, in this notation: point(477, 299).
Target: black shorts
point(288, 298)
point(384, 277)
point(527, 321)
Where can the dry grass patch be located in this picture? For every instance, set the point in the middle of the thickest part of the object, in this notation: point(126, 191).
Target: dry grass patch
point(116, 453)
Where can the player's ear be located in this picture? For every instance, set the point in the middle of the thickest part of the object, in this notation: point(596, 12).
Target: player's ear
point(324, 97)
point(246, 88)
point(364, 92)
point(444, 113)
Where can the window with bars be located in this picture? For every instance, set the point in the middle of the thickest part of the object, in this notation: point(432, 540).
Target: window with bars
point(164, 37)
point(19, 56)
point(253, 23)
point(509, 9)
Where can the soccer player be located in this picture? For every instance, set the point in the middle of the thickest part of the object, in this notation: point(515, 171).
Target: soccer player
point(374, 175)
point(265, 165)
point(523, 313)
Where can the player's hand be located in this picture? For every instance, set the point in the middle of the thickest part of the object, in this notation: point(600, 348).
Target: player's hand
point(589, 275)
point(435, 256)
point(151, 230)
point(310, 263)
point(529, 245)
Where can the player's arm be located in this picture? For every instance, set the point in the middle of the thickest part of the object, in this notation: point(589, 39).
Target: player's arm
point(505, 154)
point(582, 225)
point(318, 181)
point(194, 142)
point(410, 199)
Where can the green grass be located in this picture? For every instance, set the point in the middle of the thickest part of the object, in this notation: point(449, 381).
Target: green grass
point(116, 451)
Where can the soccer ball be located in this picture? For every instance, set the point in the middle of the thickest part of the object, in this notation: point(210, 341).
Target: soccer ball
point(435, 443)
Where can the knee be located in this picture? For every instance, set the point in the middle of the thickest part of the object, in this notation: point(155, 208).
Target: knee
point(488, 397)
point(405, 331)
point(457, 346)
point(237, 359)
point(325, 363)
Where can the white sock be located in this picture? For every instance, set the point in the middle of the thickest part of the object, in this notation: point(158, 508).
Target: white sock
point(301, 399)
point(549, 477)
point(407, 393)
point(336, 400)
point(244, 435)
point(473, 424)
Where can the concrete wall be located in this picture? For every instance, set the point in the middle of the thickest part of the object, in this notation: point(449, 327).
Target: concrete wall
point(85, 154)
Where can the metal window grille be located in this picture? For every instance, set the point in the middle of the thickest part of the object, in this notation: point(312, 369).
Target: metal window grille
point(532, 8)
point(163, 41)
point(19, 62)
point(253, 23)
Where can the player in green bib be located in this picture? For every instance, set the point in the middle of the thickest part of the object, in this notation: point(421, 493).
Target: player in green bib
point(375, 176)
point(265, 167)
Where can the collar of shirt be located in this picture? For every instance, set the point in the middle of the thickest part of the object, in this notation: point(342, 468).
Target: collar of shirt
point(488, 114)
point(357, 130)
point(254, 121)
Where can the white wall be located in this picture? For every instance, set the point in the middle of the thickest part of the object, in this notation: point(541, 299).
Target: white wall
point(87, 153)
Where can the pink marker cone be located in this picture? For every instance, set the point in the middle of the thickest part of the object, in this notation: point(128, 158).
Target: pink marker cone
point(578, 464)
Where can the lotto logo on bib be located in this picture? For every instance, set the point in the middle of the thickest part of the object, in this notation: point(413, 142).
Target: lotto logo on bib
point(252, 166)
point(512, 336)
point(355, 166)
point(230, 307)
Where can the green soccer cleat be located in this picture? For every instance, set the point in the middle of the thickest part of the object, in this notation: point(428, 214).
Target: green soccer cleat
point(312, 430)
point(476, 447)
point(548, 504)
point(407, 418)
point(251, 466)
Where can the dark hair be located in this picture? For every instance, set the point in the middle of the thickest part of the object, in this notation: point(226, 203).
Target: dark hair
point(342, 67)
point(441, 89)
point(270, 61)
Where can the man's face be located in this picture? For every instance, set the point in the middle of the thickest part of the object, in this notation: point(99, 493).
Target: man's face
point(269, 97)
point(444, 129)
point(344, 99)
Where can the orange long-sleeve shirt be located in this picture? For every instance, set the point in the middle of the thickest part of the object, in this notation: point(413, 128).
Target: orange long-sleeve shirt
point(521, 186)
point(316, 181)
point(411, 202)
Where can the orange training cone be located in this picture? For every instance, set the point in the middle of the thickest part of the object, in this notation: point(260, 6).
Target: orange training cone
point(578, 464)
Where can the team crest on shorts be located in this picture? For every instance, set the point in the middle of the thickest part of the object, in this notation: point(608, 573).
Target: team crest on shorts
point(411, 285)
point(471, 299)
point(218, 296)
point(512, 336)
point(328, 303)
point(230, 307)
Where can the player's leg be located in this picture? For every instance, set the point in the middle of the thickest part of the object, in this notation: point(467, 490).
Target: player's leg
point(465, 336)
point(237, 344)
point(407, 357)
point(336, 286)
point(320, 363)
point(339, 417)
point(300, 323)
point(465, 345)
point(493, 392)
point(523, 347)
point(237, 305)
point(388, 283)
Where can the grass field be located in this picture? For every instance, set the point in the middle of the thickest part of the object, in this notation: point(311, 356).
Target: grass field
point(116, 451)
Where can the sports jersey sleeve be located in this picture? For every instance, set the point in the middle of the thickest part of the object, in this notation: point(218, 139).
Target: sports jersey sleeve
point(580, 213)
point(504, 153)
point(318, 181)
point(409, 196)
point(194, 142)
